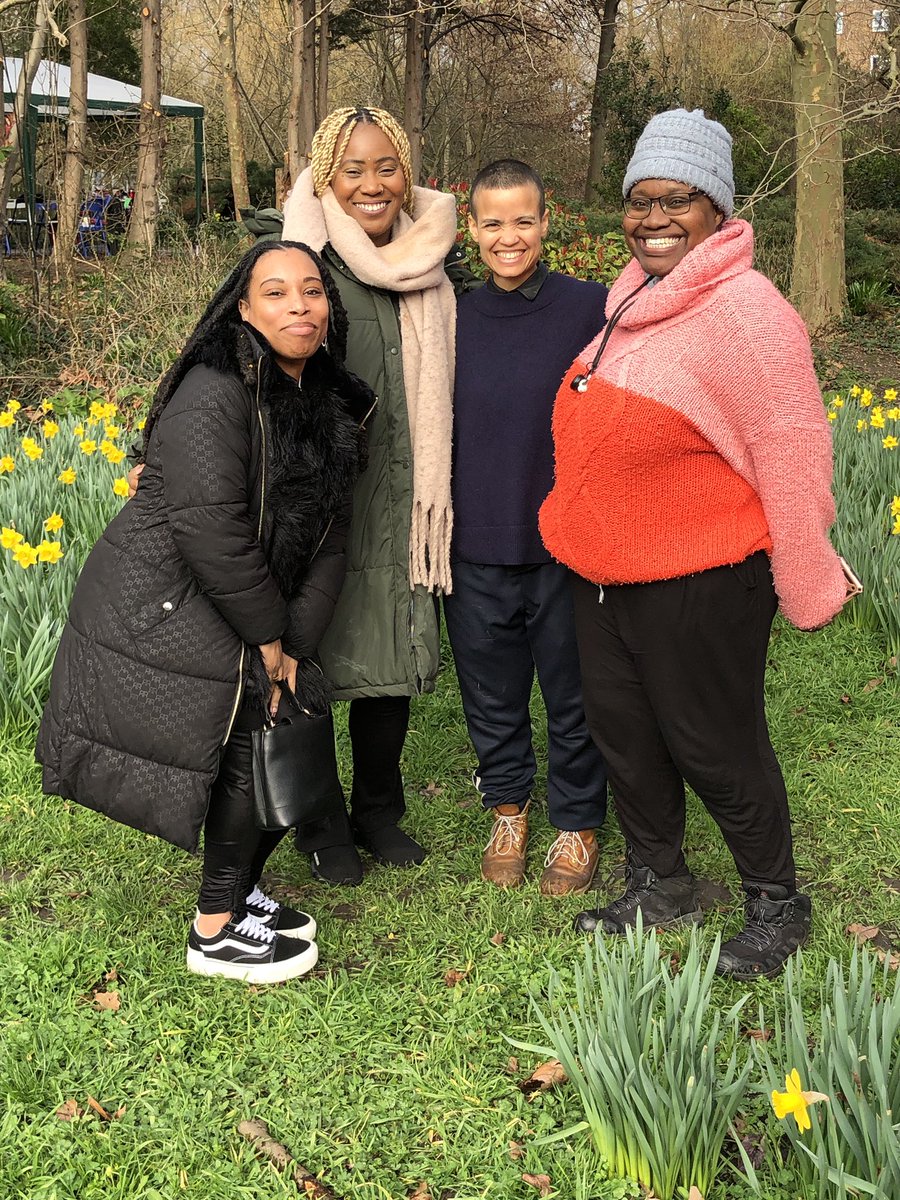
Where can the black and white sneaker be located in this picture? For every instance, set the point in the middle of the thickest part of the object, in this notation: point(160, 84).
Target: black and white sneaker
point(289, 922)
point(247, 950)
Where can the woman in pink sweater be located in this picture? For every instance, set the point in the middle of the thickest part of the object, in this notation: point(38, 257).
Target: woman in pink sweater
point(692, 498)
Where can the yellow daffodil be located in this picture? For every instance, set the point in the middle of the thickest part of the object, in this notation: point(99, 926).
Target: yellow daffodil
point(32, 449)
point(115, 455)
point(890, 394)
point(46, 406)
point(855, 390)
point(890, 443)
point(795, 1101)
point(112, 431)
point(832, 416)
point(896, 530)
point(895, 507)
point(67, 476)
point(120, 487)
point(877, 419)
point(105, 446)
point(49, 552)
point(866, 398)
point(51, 429)
point(141, 423)
point(893, 413)
point(25, 556)
point(87, 446)
point(7, 464)
point(861, 424)
point(837, 402)
point(95, 412)
point(79, 431)
point(6, 419)
point(10, 538)
point(54, 523)
point(13, 406)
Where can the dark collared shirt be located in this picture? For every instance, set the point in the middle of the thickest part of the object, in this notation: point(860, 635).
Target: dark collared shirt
point(529, 289)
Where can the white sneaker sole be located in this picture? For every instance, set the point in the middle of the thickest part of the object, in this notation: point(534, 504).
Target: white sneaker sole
point(307, 932)
point(274, 972)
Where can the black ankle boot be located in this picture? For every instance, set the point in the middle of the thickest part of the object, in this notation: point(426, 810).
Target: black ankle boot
point(339, 865)
point(777, 925)
point(391, 846)
point(662, 901)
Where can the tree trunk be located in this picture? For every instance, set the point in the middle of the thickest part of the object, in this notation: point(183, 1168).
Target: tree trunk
point(231, 103)
point(302, 111)
point(414, 87)
point(322, 65)
point(145, 210)
point(818, 282)
point(76, 144)
point(599, 103)
point(20, 104)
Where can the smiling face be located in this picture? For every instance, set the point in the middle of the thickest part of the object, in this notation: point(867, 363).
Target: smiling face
point(509, 228)
point(286, 302)
point(658, 241)
point(369, 183)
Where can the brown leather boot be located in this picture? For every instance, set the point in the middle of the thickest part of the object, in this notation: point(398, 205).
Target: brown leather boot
point(503, 862)
point(571, 863)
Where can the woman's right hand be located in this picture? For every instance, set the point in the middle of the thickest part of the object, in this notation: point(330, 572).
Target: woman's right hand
point(280, 668)
point(133, 477)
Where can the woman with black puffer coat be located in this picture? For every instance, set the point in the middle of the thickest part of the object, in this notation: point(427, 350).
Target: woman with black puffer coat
point(207, 596)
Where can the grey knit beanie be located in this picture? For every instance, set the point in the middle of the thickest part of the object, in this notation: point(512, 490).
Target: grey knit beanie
point(687, 147)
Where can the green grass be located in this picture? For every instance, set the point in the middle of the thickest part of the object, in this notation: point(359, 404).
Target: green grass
point(374, 1072)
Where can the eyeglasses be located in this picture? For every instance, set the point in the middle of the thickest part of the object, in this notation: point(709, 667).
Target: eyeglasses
point(673, 206)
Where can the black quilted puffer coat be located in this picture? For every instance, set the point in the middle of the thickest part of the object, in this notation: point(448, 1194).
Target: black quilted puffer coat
point(235, 538)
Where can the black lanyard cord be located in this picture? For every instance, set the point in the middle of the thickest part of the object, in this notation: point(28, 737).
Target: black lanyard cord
point(580, 382)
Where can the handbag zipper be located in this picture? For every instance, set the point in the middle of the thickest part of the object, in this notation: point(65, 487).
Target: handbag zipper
point(262, 503)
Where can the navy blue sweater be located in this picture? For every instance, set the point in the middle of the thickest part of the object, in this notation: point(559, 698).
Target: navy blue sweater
point(511, 355)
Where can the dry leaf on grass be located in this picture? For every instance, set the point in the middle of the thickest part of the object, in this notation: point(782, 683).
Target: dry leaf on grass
point(431, 789)
point(108, 1001)
point(257, 1134)
point(758, 1035)
point(516, 1150)
point(421, 1192)
point(102, 1112)
point(512, 1066)
point(892, 959)
point(872, 685)
point(498, 939)
point(864, 933)
point(845, 699)
point(454, 976)
point(69, 1111)
point(694, 1194)
point(541, 1182)
point(544, 1077)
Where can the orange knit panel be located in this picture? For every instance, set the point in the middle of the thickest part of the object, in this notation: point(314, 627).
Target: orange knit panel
point(640, 494)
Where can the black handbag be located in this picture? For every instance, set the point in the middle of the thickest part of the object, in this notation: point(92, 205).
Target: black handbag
point(295, 776)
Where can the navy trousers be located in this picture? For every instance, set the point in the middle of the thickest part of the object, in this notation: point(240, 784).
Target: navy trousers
point(503, 622)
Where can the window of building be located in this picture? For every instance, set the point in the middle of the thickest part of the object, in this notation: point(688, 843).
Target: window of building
point(879, 20)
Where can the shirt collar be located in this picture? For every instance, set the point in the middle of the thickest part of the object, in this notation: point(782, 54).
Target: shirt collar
point(530, 288)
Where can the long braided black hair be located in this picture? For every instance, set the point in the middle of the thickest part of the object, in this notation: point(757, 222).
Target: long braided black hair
point(222, 321)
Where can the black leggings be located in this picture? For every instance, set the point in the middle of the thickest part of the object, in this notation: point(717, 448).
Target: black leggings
point(235, 851)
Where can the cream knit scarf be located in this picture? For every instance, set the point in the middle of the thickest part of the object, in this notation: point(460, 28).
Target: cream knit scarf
point(411, 264)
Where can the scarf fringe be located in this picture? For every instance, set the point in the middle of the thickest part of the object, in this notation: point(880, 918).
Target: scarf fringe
point(430, 534)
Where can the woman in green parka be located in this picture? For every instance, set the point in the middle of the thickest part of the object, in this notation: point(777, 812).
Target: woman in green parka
point(385, 243)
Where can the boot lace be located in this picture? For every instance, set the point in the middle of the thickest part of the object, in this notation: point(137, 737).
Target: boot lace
point(259, 899)
point(504, 835)
point(570, 844)
point(252, 928)
point(760, 930)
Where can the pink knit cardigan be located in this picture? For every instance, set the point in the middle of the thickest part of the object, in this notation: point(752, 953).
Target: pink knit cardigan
point(716, 342)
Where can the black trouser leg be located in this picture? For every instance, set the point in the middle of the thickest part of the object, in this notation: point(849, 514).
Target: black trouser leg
point(673, 675)
point(235, 850)
point(378, 726)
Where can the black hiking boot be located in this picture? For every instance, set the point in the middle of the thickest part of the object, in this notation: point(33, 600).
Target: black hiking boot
point(778, 924)
point(662, 902)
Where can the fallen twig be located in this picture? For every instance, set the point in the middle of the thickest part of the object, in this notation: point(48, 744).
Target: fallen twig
point(257, 1134)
